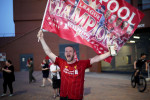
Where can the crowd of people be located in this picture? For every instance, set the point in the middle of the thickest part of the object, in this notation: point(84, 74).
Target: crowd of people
point(46, 67)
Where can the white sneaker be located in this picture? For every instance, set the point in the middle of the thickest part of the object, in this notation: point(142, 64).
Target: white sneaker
point(3, 95)
point(42, 86)
point(54, 96)
point(10, 95)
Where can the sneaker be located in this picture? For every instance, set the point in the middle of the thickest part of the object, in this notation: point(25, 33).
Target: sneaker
point(34, 81)
point(3, 95)
point(10, 95)
point(54, 96)
point(42, 86)
point(58, 95)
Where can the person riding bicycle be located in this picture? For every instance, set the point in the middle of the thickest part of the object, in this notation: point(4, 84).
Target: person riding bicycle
point(138, 65)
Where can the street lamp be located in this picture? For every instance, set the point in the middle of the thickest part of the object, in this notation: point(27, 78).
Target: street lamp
point(136, 37)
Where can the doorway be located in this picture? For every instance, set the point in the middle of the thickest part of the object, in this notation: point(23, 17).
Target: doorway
point(23, 61)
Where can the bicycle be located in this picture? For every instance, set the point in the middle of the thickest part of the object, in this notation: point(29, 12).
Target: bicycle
point(140, 81)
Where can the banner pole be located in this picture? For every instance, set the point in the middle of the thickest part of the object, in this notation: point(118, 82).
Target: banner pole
point(44, 17)
point(44, 13)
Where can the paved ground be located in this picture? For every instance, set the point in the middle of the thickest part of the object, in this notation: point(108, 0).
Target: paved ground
point(102, 86)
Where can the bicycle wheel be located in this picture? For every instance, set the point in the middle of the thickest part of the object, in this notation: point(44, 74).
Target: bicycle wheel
point(142, 84)
point(133, 82)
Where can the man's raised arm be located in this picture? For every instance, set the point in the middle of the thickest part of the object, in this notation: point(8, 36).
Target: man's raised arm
point(99, 57)
point(47, 50)
point(103, 56)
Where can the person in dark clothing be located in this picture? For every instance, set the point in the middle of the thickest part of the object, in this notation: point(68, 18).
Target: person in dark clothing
point(9, 78)
point(138, 65)
point(45, 71)
point(31, 69)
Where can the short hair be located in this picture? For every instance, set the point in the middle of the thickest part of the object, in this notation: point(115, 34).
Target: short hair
point(103, 7)
point(132, 26)
point(142, 54)
point(31, 59)
point(47, 61)
point(9, 61)
point(119, 19)
point(71, 47)
point(125, 21)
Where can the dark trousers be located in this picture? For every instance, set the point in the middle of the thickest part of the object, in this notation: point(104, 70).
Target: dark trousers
point(31, 76)
point(9, 83)
point(66, 98)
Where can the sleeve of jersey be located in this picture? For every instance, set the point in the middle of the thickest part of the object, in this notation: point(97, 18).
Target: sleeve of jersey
point(58, 61)
point(88, 65)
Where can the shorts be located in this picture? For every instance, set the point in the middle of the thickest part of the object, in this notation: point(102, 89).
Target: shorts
point(45, 74)
point(56, 83)
point(139, 68)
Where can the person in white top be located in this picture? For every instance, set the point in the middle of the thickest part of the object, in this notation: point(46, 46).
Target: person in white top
point(55, 70)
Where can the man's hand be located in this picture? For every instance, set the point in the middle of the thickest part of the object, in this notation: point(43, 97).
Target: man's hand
point(40, 35)
point(112, 50)
point(3, 69)
point(58, 70)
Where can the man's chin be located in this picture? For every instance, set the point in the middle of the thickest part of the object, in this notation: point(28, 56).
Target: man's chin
point(69, 60)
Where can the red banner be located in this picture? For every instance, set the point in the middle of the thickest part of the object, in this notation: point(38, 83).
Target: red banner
point(95, 23)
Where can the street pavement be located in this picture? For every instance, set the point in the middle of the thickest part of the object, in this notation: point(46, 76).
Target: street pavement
point(98, 86)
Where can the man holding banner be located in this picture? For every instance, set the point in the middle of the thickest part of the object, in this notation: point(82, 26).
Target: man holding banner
point(94, 23)
point(72, 71)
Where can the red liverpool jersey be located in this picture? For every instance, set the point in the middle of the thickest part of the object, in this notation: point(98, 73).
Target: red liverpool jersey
point(72, 78)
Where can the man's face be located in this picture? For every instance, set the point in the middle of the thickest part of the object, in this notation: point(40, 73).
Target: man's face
point(113, 17)
point(7, 64)
point(143, 57)
point(118, 22)
point(125, 24)
point(69, 54)
point(44, 61)
point(102, 10)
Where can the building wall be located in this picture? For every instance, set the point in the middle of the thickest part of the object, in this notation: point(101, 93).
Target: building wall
point(145, 20)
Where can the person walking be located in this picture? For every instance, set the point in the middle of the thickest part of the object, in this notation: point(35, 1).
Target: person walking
point(55, 70)
point(31, 69)
point(8, 77)
point(45, 72)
